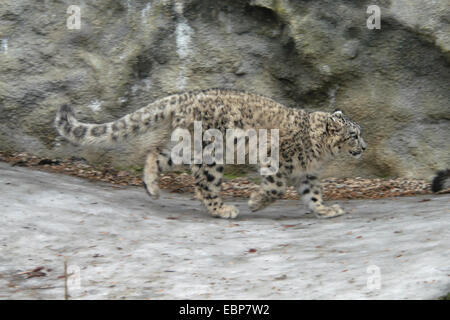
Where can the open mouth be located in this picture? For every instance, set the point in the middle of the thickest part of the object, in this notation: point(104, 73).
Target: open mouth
point(355, 153)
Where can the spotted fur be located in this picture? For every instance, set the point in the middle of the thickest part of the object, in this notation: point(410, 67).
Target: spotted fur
point(306, 141)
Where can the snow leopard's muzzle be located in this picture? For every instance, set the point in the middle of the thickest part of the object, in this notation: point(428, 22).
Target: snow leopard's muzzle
point(357, 146)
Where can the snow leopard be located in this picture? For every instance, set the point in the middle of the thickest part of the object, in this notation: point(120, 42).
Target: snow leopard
point(306, 140)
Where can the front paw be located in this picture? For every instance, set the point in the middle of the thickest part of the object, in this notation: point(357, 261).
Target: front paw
point(227, 212)
point(329, 212)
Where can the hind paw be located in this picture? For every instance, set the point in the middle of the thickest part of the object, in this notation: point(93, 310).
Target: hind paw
point(329, 212)
point(152, 190)
point(226, 212)
point(257, 201)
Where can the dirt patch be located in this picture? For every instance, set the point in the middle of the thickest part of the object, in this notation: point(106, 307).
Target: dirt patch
point(333, 188)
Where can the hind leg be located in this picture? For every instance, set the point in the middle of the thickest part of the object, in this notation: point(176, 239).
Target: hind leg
point(208, 184)
point(272, 188)
point(155, 163)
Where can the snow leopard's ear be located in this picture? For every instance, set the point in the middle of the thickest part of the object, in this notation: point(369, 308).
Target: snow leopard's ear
point(338, 113)
point(338, 116)
point(334, 122)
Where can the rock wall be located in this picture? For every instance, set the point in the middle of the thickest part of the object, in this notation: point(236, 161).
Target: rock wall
point(317, 55)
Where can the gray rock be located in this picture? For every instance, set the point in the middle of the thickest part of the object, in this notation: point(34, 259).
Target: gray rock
point(316, 55)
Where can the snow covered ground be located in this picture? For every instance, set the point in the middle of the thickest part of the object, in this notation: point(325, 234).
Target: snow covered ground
point(121, 244)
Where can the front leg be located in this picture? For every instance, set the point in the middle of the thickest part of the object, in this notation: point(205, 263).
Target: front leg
point(308, 187)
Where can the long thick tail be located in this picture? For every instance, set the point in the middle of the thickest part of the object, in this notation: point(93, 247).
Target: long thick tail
point(441, 181)
point(134, 124)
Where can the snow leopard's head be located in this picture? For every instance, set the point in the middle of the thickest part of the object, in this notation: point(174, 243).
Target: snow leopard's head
point(347, 133)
